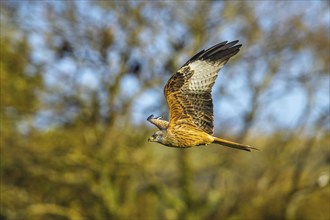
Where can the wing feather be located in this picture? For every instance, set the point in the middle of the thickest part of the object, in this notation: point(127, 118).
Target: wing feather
point(188, 91)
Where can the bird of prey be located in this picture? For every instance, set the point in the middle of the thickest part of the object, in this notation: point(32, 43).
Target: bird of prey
point(188, 95)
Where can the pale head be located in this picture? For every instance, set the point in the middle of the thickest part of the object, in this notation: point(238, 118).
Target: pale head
point(158, 136)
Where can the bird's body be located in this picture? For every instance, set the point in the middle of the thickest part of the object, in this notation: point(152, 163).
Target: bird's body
point(188, 95)
point(186, 135)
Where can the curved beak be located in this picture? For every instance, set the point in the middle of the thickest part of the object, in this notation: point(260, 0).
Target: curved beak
point(151, 139)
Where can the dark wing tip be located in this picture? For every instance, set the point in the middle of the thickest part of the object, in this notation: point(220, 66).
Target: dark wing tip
point(150, 117)
point(223, 50)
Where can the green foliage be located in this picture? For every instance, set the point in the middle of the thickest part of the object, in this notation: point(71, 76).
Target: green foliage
point(92, 161)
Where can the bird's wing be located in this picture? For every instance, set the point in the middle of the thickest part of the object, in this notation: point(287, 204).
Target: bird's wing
point(188, 91)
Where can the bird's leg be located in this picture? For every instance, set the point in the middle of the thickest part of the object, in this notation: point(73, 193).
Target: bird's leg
point(161, 124)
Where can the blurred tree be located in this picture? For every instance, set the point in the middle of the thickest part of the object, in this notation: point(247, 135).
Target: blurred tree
point(78, 77)
point(20, 81)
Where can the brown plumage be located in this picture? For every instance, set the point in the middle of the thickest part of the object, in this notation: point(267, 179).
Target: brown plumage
point(188, 95)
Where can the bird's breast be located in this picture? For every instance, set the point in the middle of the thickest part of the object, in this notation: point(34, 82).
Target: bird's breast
point(187, 136)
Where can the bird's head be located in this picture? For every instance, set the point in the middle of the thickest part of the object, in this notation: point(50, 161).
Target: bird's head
point(158, 136)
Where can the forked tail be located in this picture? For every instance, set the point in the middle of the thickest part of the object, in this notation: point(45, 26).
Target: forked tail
point(233, 144)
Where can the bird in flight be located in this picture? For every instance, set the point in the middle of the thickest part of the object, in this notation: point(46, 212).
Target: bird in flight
point(188, 95)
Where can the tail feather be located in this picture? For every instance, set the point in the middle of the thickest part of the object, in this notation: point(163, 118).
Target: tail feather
point(233, 144)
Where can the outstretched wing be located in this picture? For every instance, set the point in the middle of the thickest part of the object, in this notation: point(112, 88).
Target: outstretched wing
point(188, 91)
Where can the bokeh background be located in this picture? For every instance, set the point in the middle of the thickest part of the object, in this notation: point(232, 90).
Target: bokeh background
point(79, 79)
